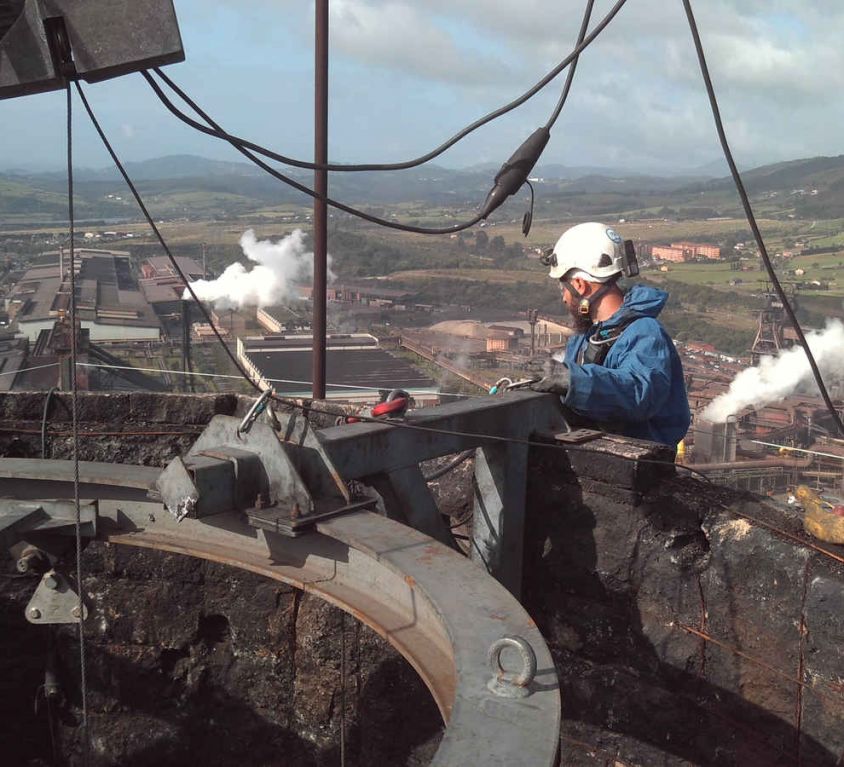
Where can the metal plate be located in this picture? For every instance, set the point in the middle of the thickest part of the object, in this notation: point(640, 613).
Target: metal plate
point(579, 436)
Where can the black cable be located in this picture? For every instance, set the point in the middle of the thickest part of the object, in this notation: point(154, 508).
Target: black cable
point(292, 403)
point(421, 160)
point(751, 219)
point(329, 201)
point(450, 466)
point(83, 684)
point(148, 217)
point(587, 14)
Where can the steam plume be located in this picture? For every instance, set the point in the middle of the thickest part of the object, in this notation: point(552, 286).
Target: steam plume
point(777, 377)
point(278, 265)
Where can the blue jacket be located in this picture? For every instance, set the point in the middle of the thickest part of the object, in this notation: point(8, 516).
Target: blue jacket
point(639, 391)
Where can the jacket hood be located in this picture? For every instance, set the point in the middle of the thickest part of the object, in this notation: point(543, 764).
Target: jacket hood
point(639, 301)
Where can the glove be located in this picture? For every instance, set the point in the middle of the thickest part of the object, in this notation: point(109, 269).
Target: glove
point(540, 366)
point(557, 382)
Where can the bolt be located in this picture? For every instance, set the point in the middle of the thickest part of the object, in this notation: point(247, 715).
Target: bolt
point(35, 613)
point(75, 612)
point(259, 501)
point(31, 560)
point(295, 512)
point(50, 581)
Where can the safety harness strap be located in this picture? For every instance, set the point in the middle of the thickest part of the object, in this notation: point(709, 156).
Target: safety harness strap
point(598, 345)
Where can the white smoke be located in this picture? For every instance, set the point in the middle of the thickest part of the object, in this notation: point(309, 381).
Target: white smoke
point(777, 377)
point(278, 266)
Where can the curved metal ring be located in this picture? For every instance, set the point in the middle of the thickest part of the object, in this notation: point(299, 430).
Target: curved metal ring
point(393, 578)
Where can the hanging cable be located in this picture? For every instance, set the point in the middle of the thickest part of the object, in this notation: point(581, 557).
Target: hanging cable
point(450, 466)
point(509, 179)
point(342, 689)
point(167, 251)
point(292, 403)
point(249, 155)
point(74, 411)
point(587, 14)
point(751, 219)
point(217, 132)
point(193, 373)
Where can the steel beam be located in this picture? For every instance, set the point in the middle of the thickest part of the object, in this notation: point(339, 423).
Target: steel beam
point(362, 449)
point(359, 451)
point(499, 512)
point(408, 499)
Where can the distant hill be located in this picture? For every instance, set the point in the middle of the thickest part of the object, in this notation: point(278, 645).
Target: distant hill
point(187, 185)
point(159, 168)
point(810, 187)
point(810, 173)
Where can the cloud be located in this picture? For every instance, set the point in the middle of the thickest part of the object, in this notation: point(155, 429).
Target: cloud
point(399, 36)
point(406, 75)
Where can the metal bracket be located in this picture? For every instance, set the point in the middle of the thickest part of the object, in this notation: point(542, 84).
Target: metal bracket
point(289, 523)
point(250, 478)
point(283, 483)
point(177, 490)
point(54, 601)
point(18, 519)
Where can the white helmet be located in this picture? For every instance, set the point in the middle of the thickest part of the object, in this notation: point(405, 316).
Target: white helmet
point(592, 251)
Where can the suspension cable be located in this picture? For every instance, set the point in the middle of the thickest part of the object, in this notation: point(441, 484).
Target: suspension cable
point(253, 158)
point(157, 232)
point(292, 403)
point(572, 67)
point(751, 218)
point(215, 131)
point(74, 410)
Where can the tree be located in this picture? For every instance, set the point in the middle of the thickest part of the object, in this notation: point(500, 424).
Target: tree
point(481, 241)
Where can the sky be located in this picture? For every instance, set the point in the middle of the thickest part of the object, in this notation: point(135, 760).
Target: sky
point(404, 76)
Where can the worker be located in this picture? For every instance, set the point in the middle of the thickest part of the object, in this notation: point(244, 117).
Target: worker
point(621, 370)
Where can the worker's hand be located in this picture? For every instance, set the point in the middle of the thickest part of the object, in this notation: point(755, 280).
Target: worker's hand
point(557, 382)
point(540, 366)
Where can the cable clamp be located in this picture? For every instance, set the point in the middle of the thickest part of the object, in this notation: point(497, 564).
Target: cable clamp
point(259, 407)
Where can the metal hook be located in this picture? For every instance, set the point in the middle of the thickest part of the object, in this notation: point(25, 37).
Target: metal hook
point(256, 410)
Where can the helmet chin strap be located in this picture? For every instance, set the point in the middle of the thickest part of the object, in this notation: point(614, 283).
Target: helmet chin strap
point(585, 303)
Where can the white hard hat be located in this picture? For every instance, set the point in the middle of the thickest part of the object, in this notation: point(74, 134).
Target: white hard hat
point(592, 251)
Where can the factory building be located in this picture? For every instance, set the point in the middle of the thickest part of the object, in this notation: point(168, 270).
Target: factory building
point(357, 369)
point(161, 284)
point(110, 303)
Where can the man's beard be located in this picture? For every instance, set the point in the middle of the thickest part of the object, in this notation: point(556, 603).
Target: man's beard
point(581, 322)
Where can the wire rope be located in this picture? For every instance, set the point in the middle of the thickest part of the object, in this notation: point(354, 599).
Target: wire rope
point(74, 409)
point(751, 218)
point(134, 190)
